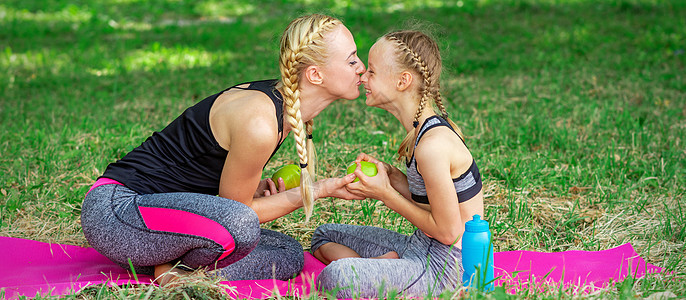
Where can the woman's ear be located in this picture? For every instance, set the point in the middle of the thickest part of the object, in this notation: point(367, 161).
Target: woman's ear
point(405, 81)
point(313, 75)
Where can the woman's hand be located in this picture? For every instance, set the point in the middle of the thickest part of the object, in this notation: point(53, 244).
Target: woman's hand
point(375, 187)
point(267, 187)
point(336, 187)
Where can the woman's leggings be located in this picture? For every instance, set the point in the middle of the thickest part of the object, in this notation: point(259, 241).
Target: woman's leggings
point(426, 266)
point(194, 230)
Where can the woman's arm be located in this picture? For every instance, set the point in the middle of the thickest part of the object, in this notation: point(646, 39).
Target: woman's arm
point(250, 134)
point(251, 144)
point(243, 170)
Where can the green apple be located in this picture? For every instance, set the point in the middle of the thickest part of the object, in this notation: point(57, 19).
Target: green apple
point(290, 175)
point(368, 169)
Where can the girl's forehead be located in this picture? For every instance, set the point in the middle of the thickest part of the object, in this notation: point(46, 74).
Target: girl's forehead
point(382, 52)
point(380, 48)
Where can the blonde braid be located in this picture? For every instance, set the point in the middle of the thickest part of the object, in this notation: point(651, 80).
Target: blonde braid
point(301, 46)
point(424, 89)
point(418, 64)
point(438, 99)
point(311, 152)
point(419, 52)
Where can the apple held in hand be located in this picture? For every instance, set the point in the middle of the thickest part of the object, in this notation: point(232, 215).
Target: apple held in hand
point(368, 169)
point(290, 175)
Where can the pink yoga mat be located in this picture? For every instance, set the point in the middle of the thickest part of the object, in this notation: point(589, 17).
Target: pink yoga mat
point(30, 268)
point(585, 271)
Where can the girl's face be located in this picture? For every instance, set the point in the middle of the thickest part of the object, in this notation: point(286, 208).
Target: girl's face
point(344, 67)
point(381, 77)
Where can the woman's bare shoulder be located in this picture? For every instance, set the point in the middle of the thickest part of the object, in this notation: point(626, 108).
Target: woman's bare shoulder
point(238, 115)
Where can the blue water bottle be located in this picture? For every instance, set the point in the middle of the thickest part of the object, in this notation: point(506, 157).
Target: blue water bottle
point(477, 253)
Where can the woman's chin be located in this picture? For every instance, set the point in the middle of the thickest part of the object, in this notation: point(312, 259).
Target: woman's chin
point(352, 96)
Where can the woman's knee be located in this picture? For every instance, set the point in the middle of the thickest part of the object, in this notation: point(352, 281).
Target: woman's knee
point(285, 250)
point(231, 226)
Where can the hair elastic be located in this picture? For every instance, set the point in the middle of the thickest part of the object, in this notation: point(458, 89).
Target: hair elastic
point(415, 124)
point(309, 136)
point(302, 166)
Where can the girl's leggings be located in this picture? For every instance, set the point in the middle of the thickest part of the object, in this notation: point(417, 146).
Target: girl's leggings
point(426, 266)
point(194, 230)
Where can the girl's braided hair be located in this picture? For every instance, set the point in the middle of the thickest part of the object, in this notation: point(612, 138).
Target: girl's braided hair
point(418, 52)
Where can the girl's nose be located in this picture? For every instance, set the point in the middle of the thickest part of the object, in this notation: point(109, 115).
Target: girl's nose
point(363, 77)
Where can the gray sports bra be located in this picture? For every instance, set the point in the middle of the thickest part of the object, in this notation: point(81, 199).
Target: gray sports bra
point(466, 185)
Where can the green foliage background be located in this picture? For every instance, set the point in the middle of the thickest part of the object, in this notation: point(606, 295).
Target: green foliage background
point(574, 110)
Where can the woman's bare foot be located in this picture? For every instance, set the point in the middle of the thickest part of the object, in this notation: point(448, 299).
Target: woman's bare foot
point(389, 255)
point(166, 273)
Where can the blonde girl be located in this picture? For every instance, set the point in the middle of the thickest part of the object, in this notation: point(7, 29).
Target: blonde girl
point(440, 191)
point(191, 195)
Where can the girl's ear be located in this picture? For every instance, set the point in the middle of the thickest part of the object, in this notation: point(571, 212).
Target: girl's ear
point(405, 81)
point(313, 75)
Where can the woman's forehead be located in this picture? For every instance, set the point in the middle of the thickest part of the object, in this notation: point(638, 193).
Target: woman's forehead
point(341, 41)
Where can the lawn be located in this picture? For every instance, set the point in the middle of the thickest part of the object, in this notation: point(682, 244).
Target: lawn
point(574, 110)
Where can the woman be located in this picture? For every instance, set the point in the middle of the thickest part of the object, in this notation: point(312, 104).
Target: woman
point(440, 193)
point(190, 196)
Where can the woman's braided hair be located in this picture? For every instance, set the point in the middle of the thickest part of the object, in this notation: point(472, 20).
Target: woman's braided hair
point(302, 45)
point(418, 52)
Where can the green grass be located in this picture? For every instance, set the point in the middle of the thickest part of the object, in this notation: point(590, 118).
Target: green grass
point(574, 110)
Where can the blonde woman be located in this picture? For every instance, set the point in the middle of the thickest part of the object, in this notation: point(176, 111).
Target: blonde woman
point(440, 191)
point(191, 195)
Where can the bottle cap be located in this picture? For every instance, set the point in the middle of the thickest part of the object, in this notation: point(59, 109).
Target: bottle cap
point(476, 224)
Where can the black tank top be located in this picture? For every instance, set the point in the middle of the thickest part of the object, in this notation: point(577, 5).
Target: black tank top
point(184, 156)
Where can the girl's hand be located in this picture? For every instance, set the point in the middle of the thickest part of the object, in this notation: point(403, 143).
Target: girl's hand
point(366, 157)
point(369, 158)
point(336, 187)
point(267, 187)
point(375, 187)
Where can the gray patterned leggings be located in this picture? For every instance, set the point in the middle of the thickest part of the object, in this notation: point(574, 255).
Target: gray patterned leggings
point(426, 266)
point(195, 230)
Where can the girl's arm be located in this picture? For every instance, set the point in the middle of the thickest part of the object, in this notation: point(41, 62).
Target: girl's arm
point(443, 222)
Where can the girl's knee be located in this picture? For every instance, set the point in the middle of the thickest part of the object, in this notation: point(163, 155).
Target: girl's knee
point(321, 236)
point(321, 230)
point(336, 276)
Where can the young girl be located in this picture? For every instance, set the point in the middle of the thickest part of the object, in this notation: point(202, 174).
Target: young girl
point(440, 193)
point(191, 194)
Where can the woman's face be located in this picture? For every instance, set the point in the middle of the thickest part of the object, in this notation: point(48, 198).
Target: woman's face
point(344, 67)
point(380, 79)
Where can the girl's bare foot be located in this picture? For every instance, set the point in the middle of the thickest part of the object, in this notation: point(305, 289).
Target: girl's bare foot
point(389, 255)
point(166, 273)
